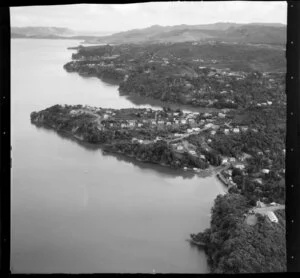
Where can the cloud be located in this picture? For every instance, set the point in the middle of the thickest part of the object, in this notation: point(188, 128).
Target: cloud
point(102, 17)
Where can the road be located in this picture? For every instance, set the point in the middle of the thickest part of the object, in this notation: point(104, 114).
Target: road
point(270, 208)
point(185, 136)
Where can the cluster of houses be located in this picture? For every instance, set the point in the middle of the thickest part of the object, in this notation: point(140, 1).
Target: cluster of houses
point(268, 102)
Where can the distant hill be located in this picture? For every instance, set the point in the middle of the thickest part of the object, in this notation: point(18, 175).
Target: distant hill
point(270, 33)
point(256, 33)
point(41, 31)
point(55, 33)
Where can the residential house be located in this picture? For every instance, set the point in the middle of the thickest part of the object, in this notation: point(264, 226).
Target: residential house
point(236, 130)
point(192, 152)
point(265, 171)
point(210, 125)
point(224, 161)
point(240, 166)
point(271, 215)
point(179, 148)
point(226, 131)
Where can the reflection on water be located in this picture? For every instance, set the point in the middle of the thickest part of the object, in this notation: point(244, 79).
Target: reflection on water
point(77, 210)
point(164, 170)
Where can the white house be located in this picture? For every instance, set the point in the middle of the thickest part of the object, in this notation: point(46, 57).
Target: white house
point(192, 152)
point(224, 161)
point(258, 180)
point(208, 125)
point(240, 166)
point(272, 216)
point(179, 148)
point(131, 123)
point(236, 130)
point(269, 102)
point(226, 131)
point(244, 128)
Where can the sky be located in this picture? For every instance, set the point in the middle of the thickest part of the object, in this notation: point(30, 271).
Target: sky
point(121, 17)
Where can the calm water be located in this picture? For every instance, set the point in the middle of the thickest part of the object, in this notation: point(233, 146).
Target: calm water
point(77, 210)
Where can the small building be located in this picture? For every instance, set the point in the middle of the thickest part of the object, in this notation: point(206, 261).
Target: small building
point(213, 132)
point(269, 102)
point(209, 141)
point(236, 130)
point(179, 148)
point(258, 180)
point(189, 130)
point(221, 115)
point(260, 204)
point(240, 166)
point(183, 121)
point(226, 131)
point(202, 156)
point(131, 123)
point(265, 171)
point(140, 124)
point(209, 125)
point(244, 128)
point(271, 215)
point(224, 161)
point(168, 123)
point(192, 152)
